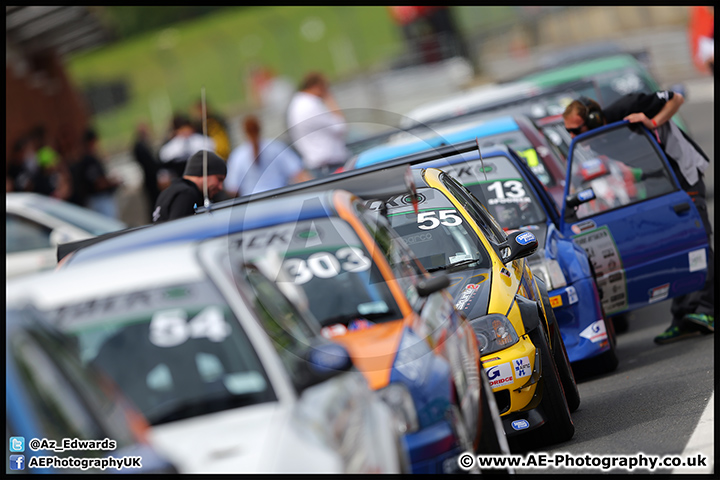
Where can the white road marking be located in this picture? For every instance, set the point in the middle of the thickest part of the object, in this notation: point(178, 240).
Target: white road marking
point(702, 441)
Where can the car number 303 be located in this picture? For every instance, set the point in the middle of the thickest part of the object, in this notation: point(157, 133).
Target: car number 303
point(326, 264)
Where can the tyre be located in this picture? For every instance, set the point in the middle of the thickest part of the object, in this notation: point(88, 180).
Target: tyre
point(492, 437)
point(560, 355)
point(559, 426)
point(621, 323)
point(608, 360)
point(567, 376)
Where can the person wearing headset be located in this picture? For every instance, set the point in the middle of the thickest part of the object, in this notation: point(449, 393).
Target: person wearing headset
point(692, 313)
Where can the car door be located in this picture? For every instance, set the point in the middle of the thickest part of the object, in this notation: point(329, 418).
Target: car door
point(641, 231)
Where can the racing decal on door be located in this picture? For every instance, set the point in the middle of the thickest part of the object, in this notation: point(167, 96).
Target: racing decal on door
point(697, 260)
point(658, 293)
point(610, 275)
point(500, 375)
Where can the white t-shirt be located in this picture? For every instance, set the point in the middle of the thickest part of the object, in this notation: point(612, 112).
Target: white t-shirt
point(278, 164)
point(317, 133)
point(184, 147)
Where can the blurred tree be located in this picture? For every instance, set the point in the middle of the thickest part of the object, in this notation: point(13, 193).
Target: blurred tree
point(128, 21)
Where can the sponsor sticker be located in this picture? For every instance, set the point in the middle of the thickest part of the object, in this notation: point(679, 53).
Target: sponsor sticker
point(505, 272)
point(556, 301)
point(697, 260)
point(521, 424)
point(572, 295)
point(500, 375)
point(583, 226)
point(525, 238)
point(463, 301)
point(595, 332)
point(522, 367)
point(586, 195)
point(658, 293)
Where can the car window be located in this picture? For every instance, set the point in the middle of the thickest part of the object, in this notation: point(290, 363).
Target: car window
point(176, 351)
point(60, 410)
point(614, 84)
point(438, 235)
point(327, 259)
point(558, 138)
point(402, 260)
point(82, 218)
point(23, 235)
point(501, 188)
point(622, 166)
point(290, 333)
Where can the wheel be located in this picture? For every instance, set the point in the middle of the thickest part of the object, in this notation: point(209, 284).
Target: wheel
point(559, 426)
point(608, 360)
point(560, 355)
point(621, 323)
point(492, 436)
point(567, 376)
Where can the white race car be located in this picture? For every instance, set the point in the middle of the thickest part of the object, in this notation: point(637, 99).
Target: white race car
point(35, 224)
point(231, 375)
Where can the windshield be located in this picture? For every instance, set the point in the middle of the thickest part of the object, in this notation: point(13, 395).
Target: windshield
point(83, 218)
point(502, 189)
point(621, 165)
point(327, 259)
point(176, 352)
point(438, 235)
point(616, 83)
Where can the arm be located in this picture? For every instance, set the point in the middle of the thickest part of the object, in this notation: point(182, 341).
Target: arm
point(663, 116)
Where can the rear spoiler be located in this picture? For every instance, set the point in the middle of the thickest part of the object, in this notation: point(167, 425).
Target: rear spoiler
point(385, 176)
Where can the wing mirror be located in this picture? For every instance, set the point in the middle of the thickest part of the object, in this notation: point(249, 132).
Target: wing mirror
point(427, 286)
point(521, 244)
point(323, 361)
point(577, 199)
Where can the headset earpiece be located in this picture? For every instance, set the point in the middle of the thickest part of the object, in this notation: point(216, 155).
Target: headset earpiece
point(594, 116)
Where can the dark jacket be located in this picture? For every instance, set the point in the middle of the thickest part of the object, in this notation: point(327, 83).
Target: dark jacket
point(178, 200)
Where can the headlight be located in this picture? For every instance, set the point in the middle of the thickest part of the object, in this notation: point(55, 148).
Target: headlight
point(494, 332)
point(401, 403)
point(550, 272)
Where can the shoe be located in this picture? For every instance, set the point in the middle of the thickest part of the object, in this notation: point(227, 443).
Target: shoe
point(700, 322)
point(673, 334)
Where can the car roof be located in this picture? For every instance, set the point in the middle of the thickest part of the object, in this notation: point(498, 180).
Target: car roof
point(473, 98)
point(385, 152)
point(215, 223)
point(129, 272)
point(582, 69)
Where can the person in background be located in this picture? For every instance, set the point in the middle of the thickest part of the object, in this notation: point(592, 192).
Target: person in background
point(96, 188)
point(692, 313)
point(317, 126)
point(145, 157)
point(185, 194)
point(216, 128)
point(261, 164)
point(185, 141)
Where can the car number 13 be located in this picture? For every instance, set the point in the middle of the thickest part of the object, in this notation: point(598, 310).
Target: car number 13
point(449, 218)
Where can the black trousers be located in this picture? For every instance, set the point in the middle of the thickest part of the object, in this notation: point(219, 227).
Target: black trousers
point(700, 301)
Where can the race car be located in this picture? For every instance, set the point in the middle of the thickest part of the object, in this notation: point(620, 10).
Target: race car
point(372, 296)
point(448, 230)
point(517, 131)
point(231, 376)
point(504, 184)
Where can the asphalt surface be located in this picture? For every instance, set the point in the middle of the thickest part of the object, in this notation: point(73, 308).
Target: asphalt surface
point(652, 403)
